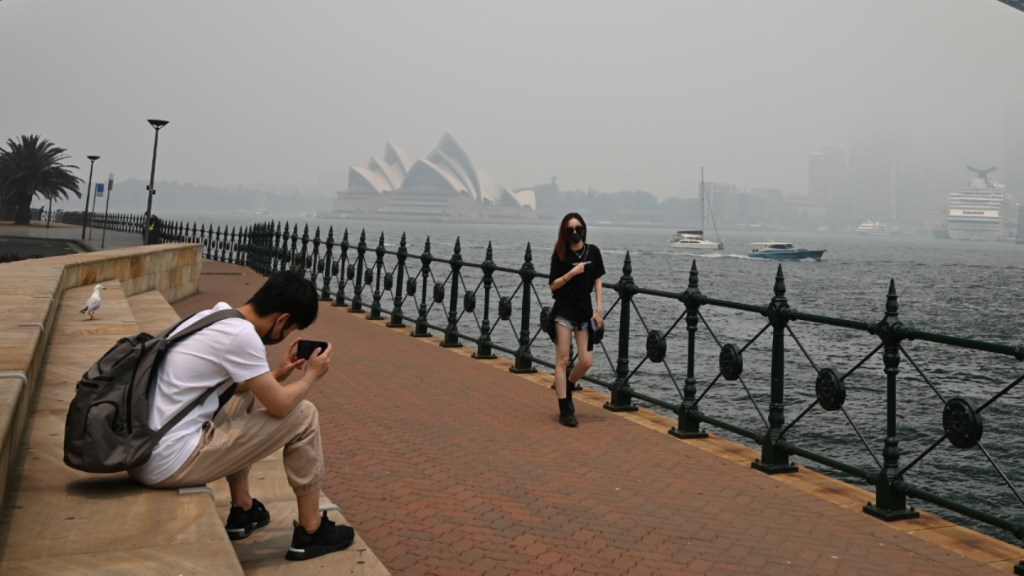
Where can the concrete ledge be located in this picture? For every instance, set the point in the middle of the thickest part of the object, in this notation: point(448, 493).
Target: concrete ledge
point(33, 292)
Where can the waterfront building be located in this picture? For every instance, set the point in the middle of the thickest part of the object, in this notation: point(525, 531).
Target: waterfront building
point(444, 186)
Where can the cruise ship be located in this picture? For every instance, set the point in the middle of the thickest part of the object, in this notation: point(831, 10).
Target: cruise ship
point(982, 210)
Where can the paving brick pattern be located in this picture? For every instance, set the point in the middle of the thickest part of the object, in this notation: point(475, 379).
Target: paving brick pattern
point(449, 465)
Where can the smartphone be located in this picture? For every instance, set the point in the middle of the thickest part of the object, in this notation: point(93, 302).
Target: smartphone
point(306, 348)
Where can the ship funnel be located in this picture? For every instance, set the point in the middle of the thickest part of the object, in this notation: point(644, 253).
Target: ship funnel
point(983, 174)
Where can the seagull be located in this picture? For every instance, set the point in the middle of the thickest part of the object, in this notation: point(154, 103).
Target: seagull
point(93, 303)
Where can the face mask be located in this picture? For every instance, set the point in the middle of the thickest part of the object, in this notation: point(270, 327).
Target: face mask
point(574, 237)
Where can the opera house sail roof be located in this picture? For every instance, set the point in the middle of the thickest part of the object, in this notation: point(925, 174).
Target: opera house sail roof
point(443, 186)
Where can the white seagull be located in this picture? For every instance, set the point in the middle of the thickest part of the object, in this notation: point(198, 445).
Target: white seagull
point(93, 303)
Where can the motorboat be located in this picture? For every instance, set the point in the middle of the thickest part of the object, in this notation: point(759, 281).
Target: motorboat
point(694, 239)
point(782, 251)
point(873, 228)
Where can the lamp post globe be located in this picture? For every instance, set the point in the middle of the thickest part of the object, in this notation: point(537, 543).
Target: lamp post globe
point(157, 125)
point(85, 218)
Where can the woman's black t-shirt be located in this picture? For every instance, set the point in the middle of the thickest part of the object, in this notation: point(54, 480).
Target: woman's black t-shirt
point(572, 301)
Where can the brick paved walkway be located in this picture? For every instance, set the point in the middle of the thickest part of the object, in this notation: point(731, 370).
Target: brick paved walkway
point(449, 465)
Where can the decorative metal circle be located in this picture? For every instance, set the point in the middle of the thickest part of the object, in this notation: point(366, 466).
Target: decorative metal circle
point(320, 267)
point(469, 302)
point(504, 308)
point(830, 388)
point(368, 276)
point(730, 362)
point(656, 346)
point(410, 286)
point(962, 424)
point(351, 272)
point(334, 269)
point(545, 318)
point(389, 281)
point(438, 292)
point(309, 263)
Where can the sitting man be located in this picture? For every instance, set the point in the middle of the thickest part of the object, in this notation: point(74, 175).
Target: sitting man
point(244, 422)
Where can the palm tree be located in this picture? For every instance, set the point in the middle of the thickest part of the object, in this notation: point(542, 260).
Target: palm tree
point(31, 166)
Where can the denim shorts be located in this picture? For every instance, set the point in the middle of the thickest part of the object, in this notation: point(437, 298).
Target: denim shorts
point(569, 323)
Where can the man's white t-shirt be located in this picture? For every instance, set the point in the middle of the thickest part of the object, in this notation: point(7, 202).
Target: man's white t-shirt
point(227, 351)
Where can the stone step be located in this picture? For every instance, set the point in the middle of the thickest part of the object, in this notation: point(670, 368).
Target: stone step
point(70, 522)
point(262, 553)
point(152, 312)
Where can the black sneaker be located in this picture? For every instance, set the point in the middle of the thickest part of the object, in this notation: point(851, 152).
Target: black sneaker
point(328, 538)
point(241, 523)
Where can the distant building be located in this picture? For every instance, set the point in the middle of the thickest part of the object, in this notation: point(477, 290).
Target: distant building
point(444, 186)
point(724, 201)
point(1013, 150)
point(826, 183)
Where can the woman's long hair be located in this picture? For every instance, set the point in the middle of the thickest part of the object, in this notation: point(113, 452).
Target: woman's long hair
point(563, 236)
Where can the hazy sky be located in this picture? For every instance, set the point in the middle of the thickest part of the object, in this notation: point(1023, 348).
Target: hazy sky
point(608, 95)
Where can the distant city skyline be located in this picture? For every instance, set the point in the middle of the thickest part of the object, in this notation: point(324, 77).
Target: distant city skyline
point(607, 96)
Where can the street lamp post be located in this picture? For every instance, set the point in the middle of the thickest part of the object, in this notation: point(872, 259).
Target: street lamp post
point(106, 213)
point(157, 125)
point(88, 191)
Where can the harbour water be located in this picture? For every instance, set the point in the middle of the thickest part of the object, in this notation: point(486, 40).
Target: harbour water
point(964, 289)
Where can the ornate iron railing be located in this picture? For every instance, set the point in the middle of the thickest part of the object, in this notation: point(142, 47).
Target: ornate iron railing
point(441, 295)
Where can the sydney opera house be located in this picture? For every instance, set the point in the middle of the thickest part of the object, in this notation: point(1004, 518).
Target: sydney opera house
point(443, 187)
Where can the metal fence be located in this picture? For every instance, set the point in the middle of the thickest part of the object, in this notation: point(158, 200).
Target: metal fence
point(503, 310)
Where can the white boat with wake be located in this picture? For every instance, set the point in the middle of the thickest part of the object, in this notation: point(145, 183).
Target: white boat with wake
point(694, 239)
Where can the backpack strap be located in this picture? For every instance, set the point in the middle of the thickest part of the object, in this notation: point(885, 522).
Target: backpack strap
point(188, 331)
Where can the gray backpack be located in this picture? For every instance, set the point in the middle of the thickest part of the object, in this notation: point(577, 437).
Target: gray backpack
point(107, 427)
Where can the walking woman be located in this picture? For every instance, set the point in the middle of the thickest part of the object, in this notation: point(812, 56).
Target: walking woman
point(576, 271)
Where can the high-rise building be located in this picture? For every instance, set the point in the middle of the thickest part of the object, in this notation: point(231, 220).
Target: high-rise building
point(1013, 151)
point(724, 201)
point(827, 183)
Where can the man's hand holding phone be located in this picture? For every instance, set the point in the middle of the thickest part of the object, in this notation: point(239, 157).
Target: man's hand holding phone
point(317, 356)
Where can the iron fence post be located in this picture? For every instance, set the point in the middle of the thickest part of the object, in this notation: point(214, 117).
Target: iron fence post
point(275, 249)
point(451, 332)
point(524, 360)
point(396, 310)
point(295, 247)
point(313, 259)
point(232, 245)
point(357, 286)
point(421, 319)
point(621, 394)
point(774, 459)
point(339, 300)
point(483, 350)
point(303, 257)
point(245, 246)
point(890, 501)
point(689, 414)
point(328, 264)
point(378, 264)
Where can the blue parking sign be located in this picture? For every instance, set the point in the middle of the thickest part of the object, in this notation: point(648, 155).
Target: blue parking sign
point(99, 189)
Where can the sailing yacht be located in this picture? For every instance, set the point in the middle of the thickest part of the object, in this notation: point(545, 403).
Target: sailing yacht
point(694, 239)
